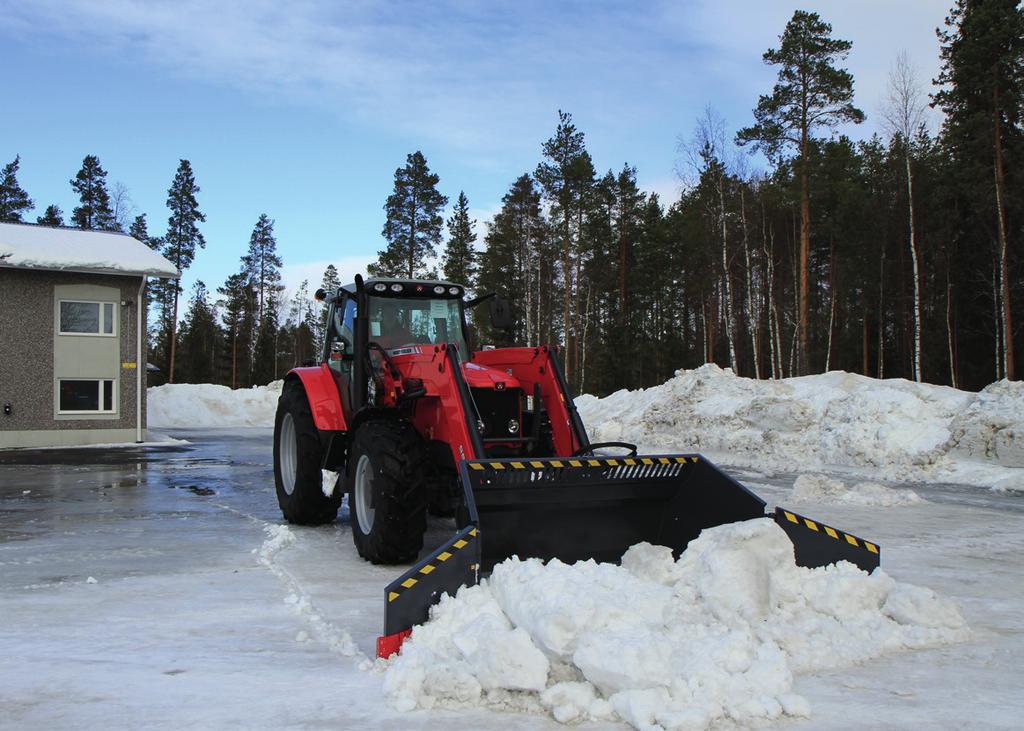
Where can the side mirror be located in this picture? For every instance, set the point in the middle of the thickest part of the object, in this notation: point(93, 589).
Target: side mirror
point(501, 314)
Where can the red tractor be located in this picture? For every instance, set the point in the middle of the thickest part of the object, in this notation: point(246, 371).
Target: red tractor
point(416, 422)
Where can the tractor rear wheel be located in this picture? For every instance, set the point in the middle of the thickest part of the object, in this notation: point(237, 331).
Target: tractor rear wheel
point(386, 481)
point(297, 459)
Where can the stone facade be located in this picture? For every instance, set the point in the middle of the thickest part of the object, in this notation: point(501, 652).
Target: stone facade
point(28, 342)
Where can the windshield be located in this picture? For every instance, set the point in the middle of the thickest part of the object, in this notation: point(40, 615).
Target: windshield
point(398, 322)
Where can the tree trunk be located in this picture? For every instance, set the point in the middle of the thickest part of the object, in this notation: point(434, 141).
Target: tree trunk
point(881, 316)
point(917, 270)
point(726, 284)
point(174, 335)
point(864, 341)
point(949, 328)
point(805, 248)
point(753, 319)
point(1004, 274)
point(832, 303)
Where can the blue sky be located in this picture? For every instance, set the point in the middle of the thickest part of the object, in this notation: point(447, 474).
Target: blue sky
point(303, 110)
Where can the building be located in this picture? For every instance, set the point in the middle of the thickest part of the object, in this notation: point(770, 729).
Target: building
point(73, 335)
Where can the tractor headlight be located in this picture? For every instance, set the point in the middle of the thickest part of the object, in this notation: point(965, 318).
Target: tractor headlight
point(439, 289)
point(396, 287)
point(453, 290)
point(513, 426)
point(379, 287)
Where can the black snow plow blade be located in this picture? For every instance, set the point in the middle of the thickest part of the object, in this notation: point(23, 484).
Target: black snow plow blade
point(580, 508)
point(597, 507)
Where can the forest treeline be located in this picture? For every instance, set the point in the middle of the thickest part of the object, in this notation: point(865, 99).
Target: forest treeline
point(895, 256)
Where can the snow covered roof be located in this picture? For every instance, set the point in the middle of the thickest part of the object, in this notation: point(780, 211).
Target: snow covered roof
point(25, 246)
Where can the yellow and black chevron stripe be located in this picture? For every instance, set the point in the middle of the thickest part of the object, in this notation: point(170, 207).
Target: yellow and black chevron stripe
point(831, 532)
point(539, 464)
point(432, 564)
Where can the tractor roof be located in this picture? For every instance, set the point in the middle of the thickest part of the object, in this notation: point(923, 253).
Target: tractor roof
point(410, 287)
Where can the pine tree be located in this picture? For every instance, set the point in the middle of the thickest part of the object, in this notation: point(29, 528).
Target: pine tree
point(94, 213)
point(13, 199)
point(413, 225)
point(567, 177)
point(183, 236)
point(53, 216)
point(262, 263)
point(459, 256)
point(811, 92)
point(982, 94)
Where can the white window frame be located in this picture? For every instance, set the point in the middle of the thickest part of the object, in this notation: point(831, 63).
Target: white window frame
point(100, 334)
point(99, 387)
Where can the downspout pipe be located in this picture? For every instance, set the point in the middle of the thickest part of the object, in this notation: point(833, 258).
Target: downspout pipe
point(139, 365)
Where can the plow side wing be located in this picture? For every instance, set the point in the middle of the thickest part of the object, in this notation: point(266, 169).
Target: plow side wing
point(816, 544)
point(582, 508)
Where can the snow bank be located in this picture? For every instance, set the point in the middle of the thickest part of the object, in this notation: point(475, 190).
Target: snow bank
point(716, 636)
point(892, 429)
point(183, 405)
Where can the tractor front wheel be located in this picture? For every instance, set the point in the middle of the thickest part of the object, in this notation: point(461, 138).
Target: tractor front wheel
point(297, 459)
point(386, 483)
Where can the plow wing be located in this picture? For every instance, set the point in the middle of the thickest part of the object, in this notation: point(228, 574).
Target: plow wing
point(580, 508)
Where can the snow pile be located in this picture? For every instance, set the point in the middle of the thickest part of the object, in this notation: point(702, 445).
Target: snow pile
point(893, 429)
point(183, 405)
point(992, 427)
point(822, 489)
point(715, 636)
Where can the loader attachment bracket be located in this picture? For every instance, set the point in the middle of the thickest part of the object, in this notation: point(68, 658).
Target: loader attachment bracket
point(408, 598)
point(816, 544)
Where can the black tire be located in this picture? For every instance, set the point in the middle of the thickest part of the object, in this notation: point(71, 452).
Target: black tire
point(396, 465)
point(305, 503)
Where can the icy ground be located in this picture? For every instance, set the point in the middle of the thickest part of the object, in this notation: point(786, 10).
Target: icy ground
point(157, 588)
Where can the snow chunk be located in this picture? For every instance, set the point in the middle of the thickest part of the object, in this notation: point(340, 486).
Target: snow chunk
point(821, 489)
point(715, 637)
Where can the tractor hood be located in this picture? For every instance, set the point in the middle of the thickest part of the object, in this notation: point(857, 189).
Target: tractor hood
point(478, 376)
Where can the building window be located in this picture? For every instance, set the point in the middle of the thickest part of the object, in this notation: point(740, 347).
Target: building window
point(87, 318)
point(86, 396)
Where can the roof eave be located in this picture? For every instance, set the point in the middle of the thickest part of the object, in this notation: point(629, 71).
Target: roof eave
point(96, 270)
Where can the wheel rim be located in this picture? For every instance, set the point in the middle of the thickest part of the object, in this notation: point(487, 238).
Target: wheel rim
point(288, 450)
point(364, 494)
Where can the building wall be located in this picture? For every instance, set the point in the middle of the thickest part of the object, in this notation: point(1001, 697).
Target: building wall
point(29, 343)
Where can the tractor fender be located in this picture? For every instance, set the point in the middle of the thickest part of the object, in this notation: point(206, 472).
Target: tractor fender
point(324, 398)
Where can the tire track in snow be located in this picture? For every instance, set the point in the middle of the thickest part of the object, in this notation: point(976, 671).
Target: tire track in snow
point(322, 630)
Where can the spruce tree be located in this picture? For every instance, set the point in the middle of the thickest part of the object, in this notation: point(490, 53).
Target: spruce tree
point(201, 339)
point(330, 283)
point(53, 216)
point(413, 225)
point(262, 263)
point(13, 199)
point(982, 94)
point(459, 255)
point(239, 306)
point(94, 212)
point(516, 265)
point(264, 366)
point(183, 236)
point(811, 92)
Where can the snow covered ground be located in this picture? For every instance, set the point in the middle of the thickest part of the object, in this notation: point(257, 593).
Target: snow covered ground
point(204, 610)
